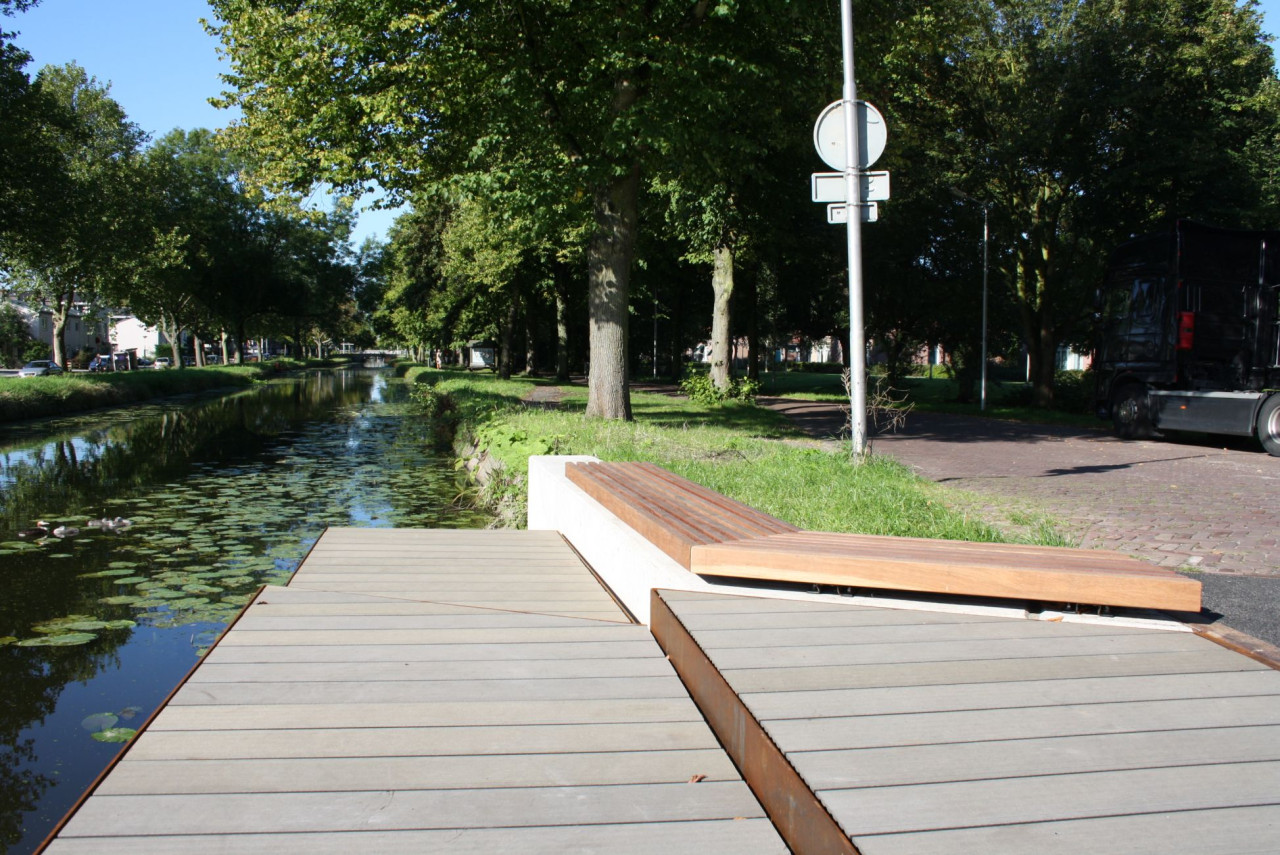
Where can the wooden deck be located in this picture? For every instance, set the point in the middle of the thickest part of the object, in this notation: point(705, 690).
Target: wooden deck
point(416, 691)
point(948, 733)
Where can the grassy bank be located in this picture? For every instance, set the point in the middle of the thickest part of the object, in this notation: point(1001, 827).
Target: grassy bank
point(37, 397)
point(746, 452)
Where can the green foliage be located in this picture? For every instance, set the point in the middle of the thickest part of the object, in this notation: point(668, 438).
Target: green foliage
point(702, 390)
point(15, 341)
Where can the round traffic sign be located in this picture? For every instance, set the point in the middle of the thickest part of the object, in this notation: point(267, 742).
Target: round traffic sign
point(829, 135)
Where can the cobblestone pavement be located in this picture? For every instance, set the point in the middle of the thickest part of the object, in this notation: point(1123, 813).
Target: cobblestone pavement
point(1185, 505)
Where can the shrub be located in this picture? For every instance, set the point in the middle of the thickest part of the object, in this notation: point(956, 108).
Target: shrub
point(1073, 391)
point(701, 390)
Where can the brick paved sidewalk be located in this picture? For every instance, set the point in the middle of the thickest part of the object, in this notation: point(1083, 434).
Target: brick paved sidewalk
point(1177, 505)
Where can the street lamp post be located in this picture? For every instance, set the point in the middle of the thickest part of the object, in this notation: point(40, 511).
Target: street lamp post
point(986, 234)
point(986, 237)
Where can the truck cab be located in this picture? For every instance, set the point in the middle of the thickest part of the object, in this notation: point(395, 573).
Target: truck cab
point(1189, 333)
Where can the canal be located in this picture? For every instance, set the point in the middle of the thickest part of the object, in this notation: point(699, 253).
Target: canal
point(171, 515)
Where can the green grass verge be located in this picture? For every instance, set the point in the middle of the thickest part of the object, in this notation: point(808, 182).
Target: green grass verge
point(37, 397)
point(928, 395)
point(749, 453)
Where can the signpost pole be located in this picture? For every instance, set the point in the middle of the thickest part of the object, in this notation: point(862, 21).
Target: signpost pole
point(857, 346)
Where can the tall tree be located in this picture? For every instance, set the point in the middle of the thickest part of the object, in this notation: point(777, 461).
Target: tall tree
point(26, 156)
point(575, 101)
point(101, 236)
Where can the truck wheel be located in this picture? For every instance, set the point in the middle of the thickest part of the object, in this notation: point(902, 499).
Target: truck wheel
point(1131, 412)
point(1269, 425)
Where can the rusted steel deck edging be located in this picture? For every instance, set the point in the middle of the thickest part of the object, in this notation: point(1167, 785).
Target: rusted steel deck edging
point(794, 809)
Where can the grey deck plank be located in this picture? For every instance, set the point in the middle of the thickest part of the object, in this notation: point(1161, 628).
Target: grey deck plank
point(423, 742)
point(630, 646)
point(766, 655)
point(365, 672)
point(1017, 758)
point(355, 714)
point(884, 810)
point(1028, 693)
point(321, 638)
point(351, 774)
point(832, 615)
point(503, 595)
point(470, 619)
point(412, 691)
point(835, 645)
point(988, 670)
point(1027, 723)
point(1224, 831)
point(415, 809)
point(462, 581)
point(647, 838)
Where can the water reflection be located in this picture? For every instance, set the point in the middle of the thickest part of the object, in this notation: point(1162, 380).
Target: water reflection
point(222, 496)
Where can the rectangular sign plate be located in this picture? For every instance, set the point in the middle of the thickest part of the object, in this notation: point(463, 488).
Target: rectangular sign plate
point(837, 214)
point(829, 187)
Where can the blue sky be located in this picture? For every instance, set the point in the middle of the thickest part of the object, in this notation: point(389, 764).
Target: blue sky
point(163, 67)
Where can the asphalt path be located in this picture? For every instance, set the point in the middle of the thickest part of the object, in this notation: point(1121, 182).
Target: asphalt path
point(1206, 507)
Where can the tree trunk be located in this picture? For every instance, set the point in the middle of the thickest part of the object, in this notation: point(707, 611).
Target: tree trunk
point(197, 347)
point(1037, 320)
point(608, 284)
point(722, 290)
point(222, 334)
point(530, 338)
point(58, 345)
point(562, 337)
point(508, 335)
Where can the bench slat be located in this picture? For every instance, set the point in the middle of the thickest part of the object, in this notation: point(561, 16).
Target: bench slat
point(951, 568)
point(714, 535)
point(671, 512)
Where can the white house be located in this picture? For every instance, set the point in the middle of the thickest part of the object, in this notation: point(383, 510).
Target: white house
point(129, 333)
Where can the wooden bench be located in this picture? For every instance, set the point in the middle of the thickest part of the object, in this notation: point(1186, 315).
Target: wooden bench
point(713, 535)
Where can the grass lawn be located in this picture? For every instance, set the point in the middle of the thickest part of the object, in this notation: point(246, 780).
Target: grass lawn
point(928, 395)
point(747, 452)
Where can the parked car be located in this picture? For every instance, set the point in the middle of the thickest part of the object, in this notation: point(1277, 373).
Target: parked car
point(143, 362)
point(40, 368)
point(162, 362)
point(100, 362)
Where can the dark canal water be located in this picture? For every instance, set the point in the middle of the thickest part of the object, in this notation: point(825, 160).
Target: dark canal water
point(223, 495)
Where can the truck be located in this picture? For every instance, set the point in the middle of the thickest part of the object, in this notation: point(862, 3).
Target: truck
point(1188, 334)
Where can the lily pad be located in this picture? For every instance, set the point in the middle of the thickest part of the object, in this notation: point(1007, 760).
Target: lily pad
point(7, 639)
point(119, 624)
point(99, 721)
point(188, 602)
point(115, 734)
point(58, 625)
point(123, 600)
point(70, 639)
point(105, 574)
point(85, 625)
